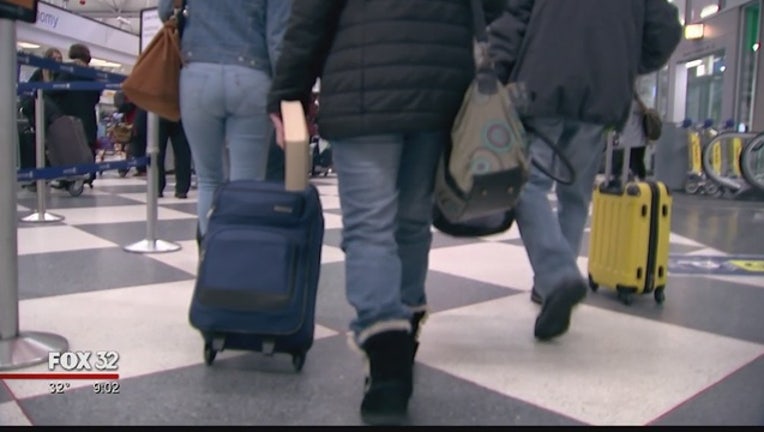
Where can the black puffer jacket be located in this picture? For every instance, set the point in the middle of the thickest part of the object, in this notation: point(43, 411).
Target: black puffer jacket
point(579, 59)
point(386, 66)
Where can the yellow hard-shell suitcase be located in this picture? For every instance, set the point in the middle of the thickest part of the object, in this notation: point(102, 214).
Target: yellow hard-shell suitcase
point(631, 226)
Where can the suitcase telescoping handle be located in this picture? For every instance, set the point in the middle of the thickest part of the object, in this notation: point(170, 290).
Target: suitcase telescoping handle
point(296, 146)
point(613, 142)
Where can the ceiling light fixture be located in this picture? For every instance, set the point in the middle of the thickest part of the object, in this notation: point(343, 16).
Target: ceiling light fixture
point(27, 45)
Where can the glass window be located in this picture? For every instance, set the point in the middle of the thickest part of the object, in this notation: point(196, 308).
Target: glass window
point(705, 77)
point(748, 59)
point(728, 4)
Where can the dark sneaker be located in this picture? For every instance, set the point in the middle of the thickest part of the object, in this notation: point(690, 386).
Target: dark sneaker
point(390, 384)
point(554, 318)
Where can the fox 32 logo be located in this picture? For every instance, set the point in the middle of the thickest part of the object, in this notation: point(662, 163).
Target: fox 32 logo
point(83, 361)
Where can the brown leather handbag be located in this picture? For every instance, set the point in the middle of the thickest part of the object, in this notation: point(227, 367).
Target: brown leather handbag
point(154, 83)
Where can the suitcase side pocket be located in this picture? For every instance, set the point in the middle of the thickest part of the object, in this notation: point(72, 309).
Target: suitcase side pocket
point(245, 268)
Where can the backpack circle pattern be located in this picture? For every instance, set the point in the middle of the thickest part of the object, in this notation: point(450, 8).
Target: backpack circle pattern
point(485, 162)
point(497, 136)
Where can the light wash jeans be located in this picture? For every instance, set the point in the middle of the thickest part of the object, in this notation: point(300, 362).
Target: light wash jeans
point(386, 193)
point(551, 240)
point(225, 104)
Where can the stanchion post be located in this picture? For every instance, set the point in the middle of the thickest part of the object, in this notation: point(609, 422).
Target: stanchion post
point(42, 215)
point(151, 244)
point(17, 349)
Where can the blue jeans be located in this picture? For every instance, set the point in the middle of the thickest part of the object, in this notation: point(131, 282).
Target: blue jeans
point(224, 104)
point(551, 240)
point(386, 193)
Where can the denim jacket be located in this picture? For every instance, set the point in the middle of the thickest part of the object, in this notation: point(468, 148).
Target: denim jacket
point(235, 32)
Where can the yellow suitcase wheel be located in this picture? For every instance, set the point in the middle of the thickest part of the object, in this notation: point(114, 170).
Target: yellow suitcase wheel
point(625, 295)
point(660, 295)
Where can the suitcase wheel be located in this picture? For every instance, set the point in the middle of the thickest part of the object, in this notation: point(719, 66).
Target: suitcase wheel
point(122, 172)
point(625, 295)
point(660, 295)
point(593, 285)
point(692, 187)
point(298, 361)
point(209, 354)
point(712, 189)
point(76, 188)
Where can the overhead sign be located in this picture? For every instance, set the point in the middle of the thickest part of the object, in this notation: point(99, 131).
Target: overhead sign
point(740, 265)
point(150, 26)
point(21, 10)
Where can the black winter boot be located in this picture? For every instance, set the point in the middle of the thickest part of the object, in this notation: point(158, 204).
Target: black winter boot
point(417, 320)
point(389, 385)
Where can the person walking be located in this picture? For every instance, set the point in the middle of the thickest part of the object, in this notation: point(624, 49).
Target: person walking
point(229, 49)
point(393, 76)
point(581, 84)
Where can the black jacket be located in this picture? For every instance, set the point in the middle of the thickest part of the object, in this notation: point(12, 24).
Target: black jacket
point(579, 59)
point(386, 66)
point(80, 104)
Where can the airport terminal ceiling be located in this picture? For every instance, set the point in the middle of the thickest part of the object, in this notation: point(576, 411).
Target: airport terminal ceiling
point(123, 14)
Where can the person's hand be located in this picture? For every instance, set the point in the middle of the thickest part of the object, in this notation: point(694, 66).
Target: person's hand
point(278, 126)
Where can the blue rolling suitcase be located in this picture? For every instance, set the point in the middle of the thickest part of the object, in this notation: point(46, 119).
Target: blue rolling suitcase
point(259, 264)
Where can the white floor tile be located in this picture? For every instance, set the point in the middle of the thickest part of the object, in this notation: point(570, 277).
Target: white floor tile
point(513, 233)
point(118, 181)
point(708, 251)
point(677, 239)
point(610, 369)
point(496, 263)
point(169, 197)
point(46, 239)
point(11, 415)
point(330, 202)
point(106, 215)
point(757, 281)
point(331, 254)
point(332, 221)
point(117, 321)
point(330, 190)
point(186, 259)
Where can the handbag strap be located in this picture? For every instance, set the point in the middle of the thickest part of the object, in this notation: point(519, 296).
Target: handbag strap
point(478, 21)
point(486, 77)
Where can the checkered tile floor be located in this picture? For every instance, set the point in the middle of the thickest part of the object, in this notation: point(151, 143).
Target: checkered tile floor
point(698, 360)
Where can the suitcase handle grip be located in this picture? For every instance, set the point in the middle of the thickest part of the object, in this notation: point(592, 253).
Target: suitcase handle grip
point(613, 141)
point(296, 146)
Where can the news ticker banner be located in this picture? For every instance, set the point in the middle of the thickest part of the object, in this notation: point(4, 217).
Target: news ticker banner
point(63, 368)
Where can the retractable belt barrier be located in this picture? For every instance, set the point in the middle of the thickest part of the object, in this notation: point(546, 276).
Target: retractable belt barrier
point(52, 173)
point(99, 80)
point(70, 68)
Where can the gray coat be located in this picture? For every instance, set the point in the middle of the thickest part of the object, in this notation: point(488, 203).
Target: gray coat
point(579, 59)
